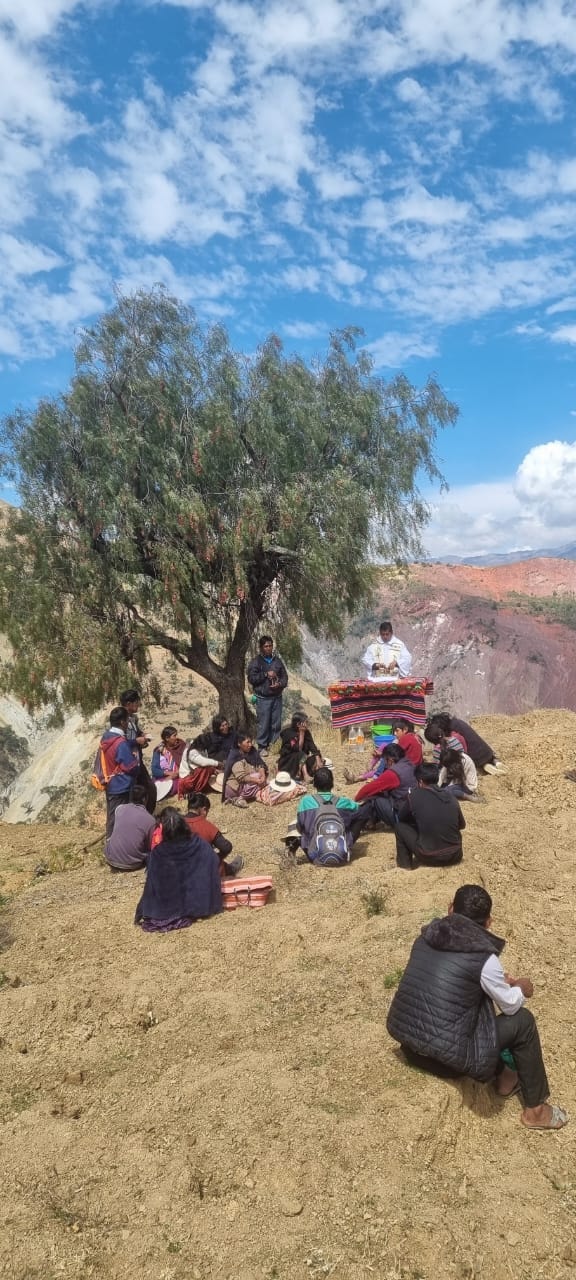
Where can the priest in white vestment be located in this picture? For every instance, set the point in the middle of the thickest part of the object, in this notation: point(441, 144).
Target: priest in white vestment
point(387, 658)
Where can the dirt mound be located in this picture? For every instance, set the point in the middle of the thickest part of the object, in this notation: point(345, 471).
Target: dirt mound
point(225, 1102)
point(540, 577)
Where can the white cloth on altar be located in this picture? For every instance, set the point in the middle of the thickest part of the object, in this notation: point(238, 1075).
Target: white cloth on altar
point(381, 653)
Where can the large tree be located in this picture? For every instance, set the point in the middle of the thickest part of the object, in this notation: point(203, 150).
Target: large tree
point(180, 495)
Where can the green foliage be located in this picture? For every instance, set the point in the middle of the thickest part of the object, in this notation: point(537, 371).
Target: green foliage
point(392, 979)
point(181, 495)
point(554, 608)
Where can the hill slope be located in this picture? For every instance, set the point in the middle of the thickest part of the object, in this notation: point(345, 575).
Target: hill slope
point(465, 629)
point(225, 1103)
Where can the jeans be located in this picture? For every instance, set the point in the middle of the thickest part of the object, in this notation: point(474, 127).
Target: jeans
point(519, 1033)
point(268, 720)
point(409, 856)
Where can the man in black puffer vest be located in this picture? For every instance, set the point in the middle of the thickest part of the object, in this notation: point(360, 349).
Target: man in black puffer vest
point(443, 1011)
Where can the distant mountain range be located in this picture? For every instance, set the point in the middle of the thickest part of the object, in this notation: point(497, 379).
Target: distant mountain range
point(510, 557)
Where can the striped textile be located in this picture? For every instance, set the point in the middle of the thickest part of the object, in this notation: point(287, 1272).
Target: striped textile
point(358, 701)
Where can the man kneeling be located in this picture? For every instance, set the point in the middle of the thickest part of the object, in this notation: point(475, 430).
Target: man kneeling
point(442, 1012)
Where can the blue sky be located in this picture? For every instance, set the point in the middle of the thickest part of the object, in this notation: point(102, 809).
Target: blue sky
point(408, 166)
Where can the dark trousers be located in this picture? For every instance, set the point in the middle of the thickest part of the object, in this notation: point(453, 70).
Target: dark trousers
point(142, 779)
point(112, 804)
point(518, 1033)
point(268, 720)
point(409, 856)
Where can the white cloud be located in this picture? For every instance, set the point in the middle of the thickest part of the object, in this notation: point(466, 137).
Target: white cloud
point(393, 349)
point(304, 330)
point(532, 510)
point(566, 333)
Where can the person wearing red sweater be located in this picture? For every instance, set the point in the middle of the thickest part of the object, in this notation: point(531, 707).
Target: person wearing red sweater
point(381, 797)
point(406, 738)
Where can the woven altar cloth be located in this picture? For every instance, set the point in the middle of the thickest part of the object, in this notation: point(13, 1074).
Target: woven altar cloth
point(358, 701)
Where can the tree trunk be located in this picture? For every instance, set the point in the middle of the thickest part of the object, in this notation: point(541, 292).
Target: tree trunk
point(232, 701)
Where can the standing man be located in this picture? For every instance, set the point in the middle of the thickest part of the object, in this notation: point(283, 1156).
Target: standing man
point(269, 678)
point(388, 658)
point(119, 763)
point(130, 700)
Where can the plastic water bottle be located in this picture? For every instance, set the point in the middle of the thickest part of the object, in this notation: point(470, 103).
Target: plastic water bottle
point(352, 737)
point(360, 738)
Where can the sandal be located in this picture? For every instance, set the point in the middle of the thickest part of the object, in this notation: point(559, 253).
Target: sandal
point(558, 1119)
point(571, 775)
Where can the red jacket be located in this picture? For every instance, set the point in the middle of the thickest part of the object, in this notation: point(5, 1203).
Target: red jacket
point(412, 748)
point(386, 781)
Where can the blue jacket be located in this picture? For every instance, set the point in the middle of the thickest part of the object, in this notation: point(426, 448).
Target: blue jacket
point(119, 755)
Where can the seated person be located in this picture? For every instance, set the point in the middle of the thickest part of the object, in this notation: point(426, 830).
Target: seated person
point(411, 745)
point(166, 762)
point(387, 658)
point(442, 740)
point(458, 774)
point(306, 813)
point(383, 796)
point(183, 881)
point(128, 847)
point(299, 755)
point(216, 742)
point(375, 768)
point(197, 820)
point(443, 1010)
point(430, 823)
point(245, 773)
point(479, 751)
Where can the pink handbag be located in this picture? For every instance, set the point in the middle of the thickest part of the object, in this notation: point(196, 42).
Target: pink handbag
point(251, 891)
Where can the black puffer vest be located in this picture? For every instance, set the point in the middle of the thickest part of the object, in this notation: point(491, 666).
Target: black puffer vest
point(440, 1010)
point(405, 772)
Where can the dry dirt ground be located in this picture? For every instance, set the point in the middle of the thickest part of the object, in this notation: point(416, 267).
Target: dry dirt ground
point(225, 1102)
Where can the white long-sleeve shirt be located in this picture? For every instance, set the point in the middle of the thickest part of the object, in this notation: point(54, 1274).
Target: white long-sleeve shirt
point(509, 999)
point(382, 653)
point(470, 774)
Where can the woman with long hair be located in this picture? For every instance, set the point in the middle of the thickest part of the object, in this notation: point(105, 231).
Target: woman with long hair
point(245, 773)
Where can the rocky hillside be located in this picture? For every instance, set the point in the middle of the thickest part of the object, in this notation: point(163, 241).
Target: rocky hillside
point(469, 628)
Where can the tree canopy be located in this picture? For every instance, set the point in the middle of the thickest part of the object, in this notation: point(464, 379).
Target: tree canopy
point(181, 495)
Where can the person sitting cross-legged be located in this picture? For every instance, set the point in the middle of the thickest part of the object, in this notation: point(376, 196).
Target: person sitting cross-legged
point(128, 847)
point(308, 809)
point(383, 797)
point(429, 830)
point(245, 773)
point(443, 1016)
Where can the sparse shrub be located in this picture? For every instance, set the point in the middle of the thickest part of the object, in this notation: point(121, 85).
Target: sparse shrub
point(392, 979)
point(374, 902)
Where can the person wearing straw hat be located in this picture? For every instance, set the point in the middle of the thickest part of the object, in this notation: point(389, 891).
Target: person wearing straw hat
point(280, 789)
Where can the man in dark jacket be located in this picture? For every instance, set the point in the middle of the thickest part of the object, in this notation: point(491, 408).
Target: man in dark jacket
point(430, 823)
point(269, 678)
point(443, 1011)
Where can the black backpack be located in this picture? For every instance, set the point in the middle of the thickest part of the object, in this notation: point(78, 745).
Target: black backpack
point(328, 845)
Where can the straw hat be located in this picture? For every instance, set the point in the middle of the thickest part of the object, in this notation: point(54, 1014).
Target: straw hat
point(283, 782)
point(292, 834)
point(216, 781)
